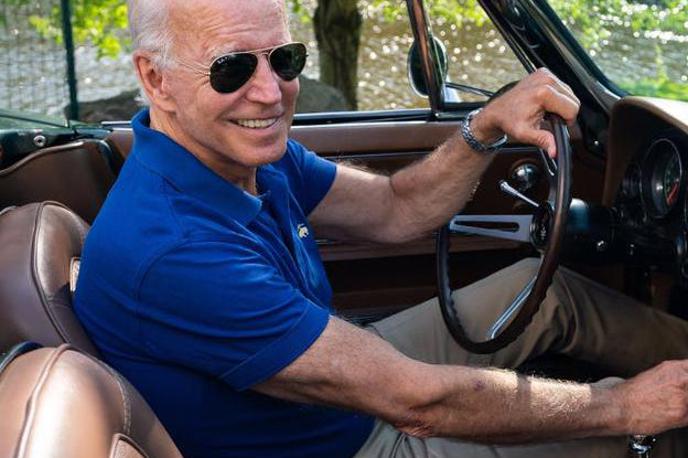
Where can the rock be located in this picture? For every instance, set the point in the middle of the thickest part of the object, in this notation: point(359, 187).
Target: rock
point(317, 96)
point(314, 97)
point(121, 107)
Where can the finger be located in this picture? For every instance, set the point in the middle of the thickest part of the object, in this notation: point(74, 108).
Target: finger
point(566, 90)
point(558, 103)
point(540, 138)
point(545, 76)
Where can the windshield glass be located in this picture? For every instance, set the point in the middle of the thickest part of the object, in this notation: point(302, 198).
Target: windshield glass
point(641, 45)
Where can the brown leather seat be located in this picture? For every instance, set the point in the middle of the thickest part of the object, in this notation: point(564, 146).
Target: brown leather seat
point(38, 246)
point(121, 141)
point(59, 402)
point(78, 174)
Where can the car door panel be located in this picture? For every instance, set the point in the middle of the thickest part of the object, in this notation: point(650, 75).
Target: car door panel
point(371, 280)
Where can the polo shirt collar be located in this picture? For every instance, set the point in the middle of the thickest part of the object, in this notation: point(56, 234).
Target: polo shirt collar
point(176, 164)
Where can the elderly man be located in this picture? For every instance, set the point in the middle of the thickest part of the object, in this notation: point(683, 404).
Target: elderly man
point(199, 284)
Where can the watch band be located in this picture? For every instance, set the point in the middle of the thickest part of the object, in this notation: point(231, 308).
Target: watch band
point(474, 143)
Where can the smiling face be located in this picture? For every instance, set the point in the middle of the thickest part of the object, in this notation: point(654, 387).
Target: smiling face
point(236, 132)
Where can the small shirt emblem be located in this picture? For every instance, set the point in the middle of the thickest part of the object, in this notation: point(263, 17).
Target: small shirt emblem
point(302, 231)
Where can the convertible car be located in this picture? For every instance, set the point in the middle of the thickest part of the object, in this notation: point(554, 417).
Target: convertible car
point(613, 206)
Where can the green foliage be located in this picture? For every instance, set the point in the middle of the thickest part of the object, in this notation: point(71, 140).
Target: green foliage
point(458, 12)
point(103, 23)
point(300, 10)
point(100, 22)
point(595, 20)
point(658, 87)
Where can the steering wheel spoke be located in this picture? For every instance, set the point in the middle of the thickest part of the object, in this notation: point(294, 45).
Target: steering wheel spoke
point(544, 230)
point(508, 314)
point(509, 227)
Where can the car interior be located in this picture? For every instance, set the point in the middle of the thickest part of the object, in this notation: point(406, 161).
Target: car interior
point(629, 160)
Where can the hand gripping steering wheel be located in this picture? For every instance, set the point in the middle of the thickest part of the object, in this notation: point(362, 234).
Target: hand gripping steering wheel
point(544, 229)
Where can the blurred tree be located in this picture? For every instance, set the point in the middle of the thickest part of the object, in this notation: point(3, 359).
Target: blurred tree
point(337, 27)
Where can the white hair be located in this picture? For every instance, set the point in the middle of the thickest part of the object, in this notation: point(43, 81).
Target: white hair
point(150, 31)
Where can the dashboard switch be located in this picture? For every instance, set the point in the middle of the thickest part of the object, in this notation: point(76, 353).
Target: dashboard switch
point(525, 176)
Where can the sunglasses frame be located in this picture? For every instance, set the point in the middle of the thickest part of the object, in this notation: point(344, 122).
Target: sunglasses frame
point(208, 71)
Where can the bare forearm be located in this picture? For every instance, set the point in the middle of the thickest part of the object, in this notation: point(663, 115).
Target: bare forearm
point(422, 399)
point(415, 200)
point(495, 406)
point(428, 193)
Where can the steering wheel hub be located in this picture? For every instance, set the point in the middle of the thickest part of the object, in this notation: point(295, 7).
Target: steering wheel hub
point(541, 226)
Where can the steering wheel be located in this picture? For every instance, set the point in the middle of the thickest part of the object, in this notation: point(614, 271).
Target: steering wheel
point(544, 229)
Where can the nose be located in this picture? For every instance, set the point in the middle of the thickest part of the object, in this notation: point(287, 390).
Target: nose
point(265, 84)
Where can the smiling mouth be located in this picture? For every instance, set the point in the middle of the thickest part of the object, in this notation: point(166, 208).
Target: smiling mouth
point(256, 123)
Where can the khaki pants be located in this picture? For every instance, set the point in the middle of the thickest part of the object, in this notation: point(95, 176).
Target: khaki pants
point(578, 318)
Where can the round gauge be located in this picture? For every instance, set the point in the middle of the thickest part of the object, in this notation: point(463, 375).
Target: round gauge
point(662, 178)
point(685, 211)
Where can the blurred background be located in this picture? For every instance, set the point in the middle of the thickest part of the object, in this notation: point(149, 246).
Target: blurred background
point(72, 57)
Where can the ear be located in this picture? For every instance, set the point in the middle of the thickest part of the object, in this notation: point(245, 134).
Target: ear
point(152, 81)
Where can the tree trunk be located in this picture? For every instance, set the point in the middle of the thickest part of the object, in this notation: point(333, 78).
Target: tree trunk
point(337, 25)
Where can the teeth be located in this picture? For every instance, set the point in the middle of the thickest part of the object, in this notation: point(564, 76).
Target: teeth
point(256, 123)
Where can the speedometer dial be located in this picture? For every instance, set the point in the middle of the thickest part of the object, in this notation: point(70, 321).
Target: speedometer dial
point(671, 181)
point(663, 176)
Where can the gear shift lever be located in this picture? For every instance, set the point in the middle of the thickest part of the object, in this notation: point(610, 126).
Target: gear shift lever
point(641, 445)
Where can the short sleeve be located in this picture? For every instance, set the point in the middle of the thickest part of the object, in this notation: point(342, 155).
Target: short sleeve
point(221, 308)
point(310, 176)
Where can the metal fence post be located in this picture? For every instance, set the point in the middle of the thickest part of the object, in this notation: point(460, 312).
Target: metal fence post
point(69, 54)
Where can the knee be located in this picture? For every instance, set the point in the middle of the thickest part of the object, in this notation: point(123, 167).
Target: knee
point(527, 267)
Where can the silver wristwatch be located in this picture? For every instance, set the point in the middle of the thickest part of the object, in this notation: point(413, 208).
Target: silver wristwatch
point(473, 142)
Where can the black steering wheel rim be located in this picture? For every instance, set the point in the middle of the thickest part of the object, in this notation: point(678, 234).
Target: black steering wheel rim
point(531, 297)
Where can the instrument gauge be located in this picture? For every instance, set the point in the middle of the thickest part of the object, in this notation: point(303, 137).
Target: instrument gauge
point(685, 212)
point(663, 178)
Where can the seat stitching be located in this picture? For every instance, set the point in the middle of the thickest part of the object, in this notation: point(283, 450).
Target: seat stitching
point(31, 405)
point(125, 397)
point(37, 228)
point(62, 331)
point(119, 441)
point(126, 400)
point(40, 153)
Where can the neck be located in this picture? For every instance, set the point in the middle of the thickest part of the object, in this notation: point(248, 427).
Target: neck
point(237, 174)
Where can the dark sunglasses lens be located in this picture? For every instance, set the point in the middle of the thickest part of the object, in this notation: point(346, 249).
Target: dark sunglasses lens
point(288, 60)
point(228, 73)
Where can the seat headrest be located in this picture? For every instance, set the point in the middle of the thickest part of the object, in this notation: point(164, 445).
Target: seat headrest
point(38, 243)
point(59, 402)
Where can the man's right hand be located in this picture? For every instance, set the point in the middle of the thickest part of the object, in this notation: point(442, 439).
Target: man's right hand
point(656, 400)
point(520, 110)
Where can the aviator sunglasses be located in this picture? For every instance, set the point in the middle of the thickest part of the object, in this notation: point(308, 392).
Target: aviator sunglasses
point(231, 71)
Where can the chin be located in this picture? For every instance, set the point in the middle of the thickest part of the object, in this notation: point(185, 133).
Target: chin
point(255, 155)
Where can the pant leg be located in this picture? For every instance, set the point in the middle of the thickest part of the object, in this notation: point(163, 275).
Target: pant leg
point(386, 441)
point(578, 317)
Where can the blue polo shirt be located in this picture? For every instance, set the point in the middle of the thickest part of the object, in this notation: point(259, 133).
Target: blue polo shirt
point(196, 291)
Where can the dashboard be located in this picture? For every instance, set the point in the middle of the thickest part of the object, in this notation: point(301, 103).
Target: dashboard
point(647, 180)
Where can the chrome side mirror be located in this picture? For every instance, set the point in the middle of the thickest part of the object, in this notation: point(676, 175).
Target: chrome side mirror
point(415, 66)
